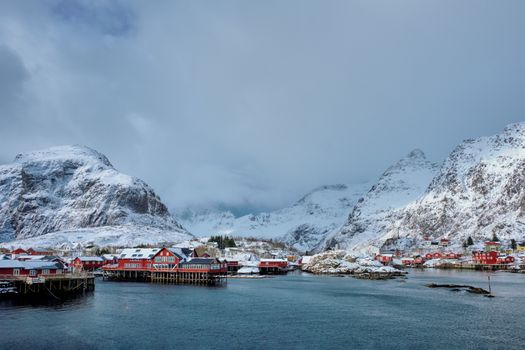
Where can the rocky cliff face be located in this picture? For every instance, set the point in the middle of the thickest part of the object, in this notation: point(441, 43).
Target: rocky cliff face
point(302, 225)
point(74, 187)
point(480, 190)
point(375, 213)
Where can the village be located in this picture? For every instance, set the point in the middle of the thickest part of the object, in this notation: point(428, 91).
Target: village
point(443, 253)
point(211, 261)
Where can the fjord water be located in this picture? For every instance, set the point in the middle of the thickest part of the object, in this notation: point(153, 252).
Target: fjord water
point(298, 311)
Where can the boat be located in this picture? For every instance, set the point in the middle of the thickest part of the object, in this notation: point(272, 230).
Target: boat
point(7, 288)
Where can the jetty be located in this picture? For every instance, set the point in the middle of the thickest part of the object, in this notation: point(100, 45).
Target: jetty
point(58, 286)
point(44, 276)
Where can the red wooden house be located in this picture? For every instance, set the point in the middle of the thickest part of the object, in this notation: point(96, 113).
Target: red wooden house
point(485, 258)
point(12, 269)
point(135, 259)
point(204, 265)
point(435, 255)
point(492, 246)
point(384, 259)
point(505, 259)
point(88, 263)
point(408, 261)
point(452, 255)
point(273, 266)
point(166, 259)
point(19, 251)
point(31, 251)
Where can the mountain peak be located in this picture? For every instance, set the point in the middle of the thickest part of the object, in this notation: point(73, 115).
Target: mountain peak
point(71, 188)
point(77, 153)
point(416, 154)
point(515, 129)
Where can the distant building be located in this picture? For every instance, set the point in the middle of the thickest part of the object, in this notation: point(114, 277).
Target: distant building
point(89, 263)
point(271, 266)
point(492, 258)
point(444, 242)
point(492, 246)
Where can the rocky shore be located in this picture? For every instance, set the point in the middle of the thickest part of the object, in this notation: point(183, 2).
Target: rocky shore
point(340, 262)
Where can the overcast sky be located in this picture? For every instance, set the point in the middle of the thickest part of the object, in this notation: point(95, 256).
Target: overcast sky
point(251, 104)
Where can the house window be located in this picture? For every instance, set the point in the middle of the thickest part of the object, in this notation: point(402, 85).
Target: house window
point(45, 272)
point(32, 272)
point(16, 272)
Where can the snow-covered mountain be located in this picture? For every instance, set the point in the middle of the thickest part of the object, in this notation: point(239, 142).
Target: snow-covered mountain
point(480, 190)
point(401, 184)
point(302, 225)
point(70, 191)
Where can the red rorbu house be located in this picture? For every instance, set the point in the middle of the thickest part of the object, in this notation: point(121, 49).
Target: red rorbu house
point(485, 258)
point(19, 251)
point(88, 263)
point(233, 265)
point(492, 246)
point(166, 259)
point(15, 269)
point(384, 259)
point(135, 259)
point(505, 259)
point(492, 258)
point(204, 265)
point(452, 255)
point(408, 261)
point(31, 251)
point(270, 266)
point(436, 255)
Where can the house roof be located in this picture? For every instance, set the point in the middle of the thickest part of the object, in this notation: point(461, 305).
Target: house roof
point(183, 252)
point(274, 260)
point(201, 261)
point(138, 253)
point(30, 265)
point(90, 258)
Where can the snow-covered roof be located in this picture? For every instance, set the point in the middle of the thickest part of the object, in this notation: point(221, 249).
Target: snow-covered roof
point(274, 260)
point(138, 253)
point(90, 258)
point(29, 265)
point(9, 264)
point(183, 253)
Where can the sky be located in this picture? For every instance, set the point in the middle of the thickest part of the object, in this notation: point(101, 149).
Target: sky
point(248, 105)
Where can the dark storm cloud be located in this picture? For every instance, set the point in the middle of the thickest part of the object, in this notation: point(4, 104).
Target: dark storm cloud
point(251, 103)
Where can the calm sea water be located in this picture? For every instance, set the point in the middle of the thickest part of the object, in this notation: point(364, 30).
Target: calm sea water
point(298, 311)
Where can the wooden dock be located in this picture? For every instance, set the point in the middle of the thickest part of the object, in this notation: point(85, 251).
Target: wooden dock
point(175, 276)
point(57, 286)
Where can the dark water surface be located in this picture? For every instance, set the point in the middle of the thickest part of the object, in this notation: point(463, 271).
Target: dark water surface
point(297, 311)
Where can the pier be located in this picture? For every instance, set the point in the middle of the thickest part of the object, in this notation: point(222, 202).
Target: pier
point(58, 286)
point(177, 276)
